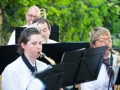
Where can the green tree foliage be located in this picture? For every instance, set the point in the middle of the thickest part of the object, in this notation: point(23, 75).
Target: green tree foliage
point(75, 18)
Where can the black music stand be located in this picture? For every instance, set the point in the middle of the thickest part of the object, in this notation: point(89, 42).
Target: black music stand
point(18, 31)
point(54, 77)
point(8, 54)
point(117, 77)
point(54, 33)
point(87, 63)
point(52, 51)
point(56, 50)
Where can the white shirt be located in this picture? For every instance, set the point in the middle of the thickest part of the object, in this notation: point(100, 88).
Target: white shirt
point(12, 37)
point(17, 76)
point(36, 84)
point(102, 80)
point(52, 41)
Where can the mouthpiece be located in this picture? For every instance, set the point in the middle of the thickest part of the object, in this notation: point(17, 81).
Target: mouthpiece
point(109, 48)
point(41, 54)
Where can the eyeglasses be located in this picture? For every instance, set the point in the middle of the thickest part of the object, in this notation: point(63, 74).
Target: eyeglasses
point(32, 16)
point(103, 40)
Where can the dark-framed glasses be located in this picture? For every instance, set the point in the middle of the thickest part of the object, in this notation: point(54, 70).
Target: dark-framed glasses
point(30, 15)
point(103, 40)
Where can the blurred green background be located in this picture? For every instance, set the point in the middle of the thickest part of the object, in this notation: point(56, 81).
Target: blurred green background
point(75, 18)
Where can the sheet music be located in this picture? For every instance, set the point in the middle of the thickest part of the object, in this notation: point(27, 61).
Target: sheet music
point(73, 50)
point(80, 49)
point(49, 67)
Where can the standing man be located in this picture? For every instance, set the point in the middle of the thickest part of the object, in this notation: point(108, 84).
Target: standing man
point(32, 13)
point(45, 29)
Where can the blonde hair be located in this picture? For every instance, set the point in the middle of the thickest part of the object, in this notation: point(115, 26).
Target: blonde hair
point(95, 32)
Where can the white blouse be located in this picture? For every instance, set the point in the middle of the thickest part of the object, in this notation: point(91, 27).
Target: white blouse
point(17, 76)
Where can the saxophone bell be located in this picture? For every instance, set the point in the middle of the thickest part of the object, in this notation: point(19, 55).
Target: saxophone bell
point(116, 87)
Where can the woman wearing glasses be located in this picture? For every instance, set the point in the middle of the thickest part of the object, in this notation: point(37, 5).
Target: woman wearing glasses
point(100, 36)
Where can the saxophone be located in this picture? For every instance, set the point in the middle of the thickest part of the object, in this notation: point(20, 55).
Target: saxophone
point(118, 58)
point(116, 87)
point(52, 62)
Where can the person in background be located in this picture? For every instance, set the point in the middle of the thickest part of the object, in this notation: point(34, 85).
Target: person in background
point(18, 75)
point(32, 13)
point(45, 29)
point(100, 36)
